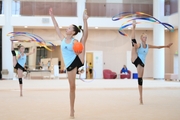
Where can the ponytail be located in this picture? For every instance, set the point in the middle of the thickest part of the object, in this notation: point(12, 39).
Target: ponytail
point(77, 29)
point(80, 28)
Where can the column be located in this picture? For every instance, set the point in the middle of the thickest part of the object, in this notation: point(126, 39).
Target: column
point(158, 39)
point(80, 9)
point(179, 40)
point(7, 62)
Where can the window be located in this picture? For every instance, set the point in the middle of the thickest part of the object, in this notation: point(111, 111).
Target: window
point(41, 53)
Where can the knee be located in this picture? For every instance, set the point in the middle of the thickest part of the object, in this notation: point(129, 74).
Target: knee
point(72, 88)
point(13, 53)
point(134, 42)
point(140, 81)
point(20, 81)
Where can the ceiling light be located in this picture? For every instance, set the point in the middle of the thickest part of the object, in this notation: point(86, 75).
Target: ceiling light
point(96, 27)
point(25, 26)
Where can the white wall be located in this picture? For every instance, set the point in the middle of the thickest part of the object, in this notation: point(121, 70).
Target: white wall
point(98, 64)
point(2, 20)
point(115, 46)
point(173, 20)
point(36, 22)
point(66, 21)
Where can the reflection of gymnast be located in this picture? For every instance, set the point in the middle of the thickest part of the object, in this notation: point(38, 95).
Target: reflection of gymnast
point(90, 69)
point(72, 60)
point(19, 62)
point(138, 56)
point(49, 63)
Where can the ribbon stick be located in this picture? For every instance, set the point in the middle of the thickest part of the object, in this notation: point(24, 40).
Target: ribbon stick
point(31, 38)
point(140, 17)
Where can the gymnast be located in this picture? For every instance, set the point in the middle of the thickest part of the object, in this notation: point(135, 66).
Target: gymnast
point(19, 62)
point(73, 61)
point(138, 56)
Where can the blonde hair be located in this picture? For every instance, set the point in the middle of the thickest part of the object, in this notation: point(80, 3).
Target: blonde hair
point(143, 34)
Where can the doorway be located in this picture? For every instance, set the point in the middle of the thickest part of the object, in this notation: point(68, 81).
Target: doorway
point(89, 65)
point(96, 60)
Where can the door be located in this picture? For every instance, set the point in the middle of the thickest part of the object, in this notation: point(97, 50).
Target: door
point(175, 64)
point(96, 59)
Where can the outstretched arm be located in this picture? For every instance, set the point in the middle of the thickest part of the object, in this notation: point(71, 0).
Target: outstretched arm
point(159, 47)
point(61, 36)
point(85, 33)
point(30, 52)
point(133, 34)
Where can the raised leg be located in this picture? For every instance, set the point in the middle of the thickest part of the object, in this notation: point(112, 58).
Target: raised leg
point(14, 55)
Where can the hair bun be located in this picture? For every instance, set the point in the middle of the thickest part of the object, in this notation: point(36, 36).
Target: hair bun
point(80, 27)
point(19, 46)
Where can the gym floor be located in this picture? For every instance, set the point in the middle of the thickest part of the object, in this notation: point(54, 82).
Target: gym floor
point(96, 100)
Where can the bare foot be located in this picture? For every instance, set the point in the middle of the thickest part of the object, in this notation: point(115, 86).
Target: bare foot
point(85, 15)
point(141, 101)
point(21, 94)
point(72, 117)
point(72, 114)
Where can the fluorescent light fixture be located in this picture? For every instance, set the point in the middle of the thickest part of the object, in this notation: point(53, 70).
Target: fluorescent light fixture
point(96, 27)
point(25, 26)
